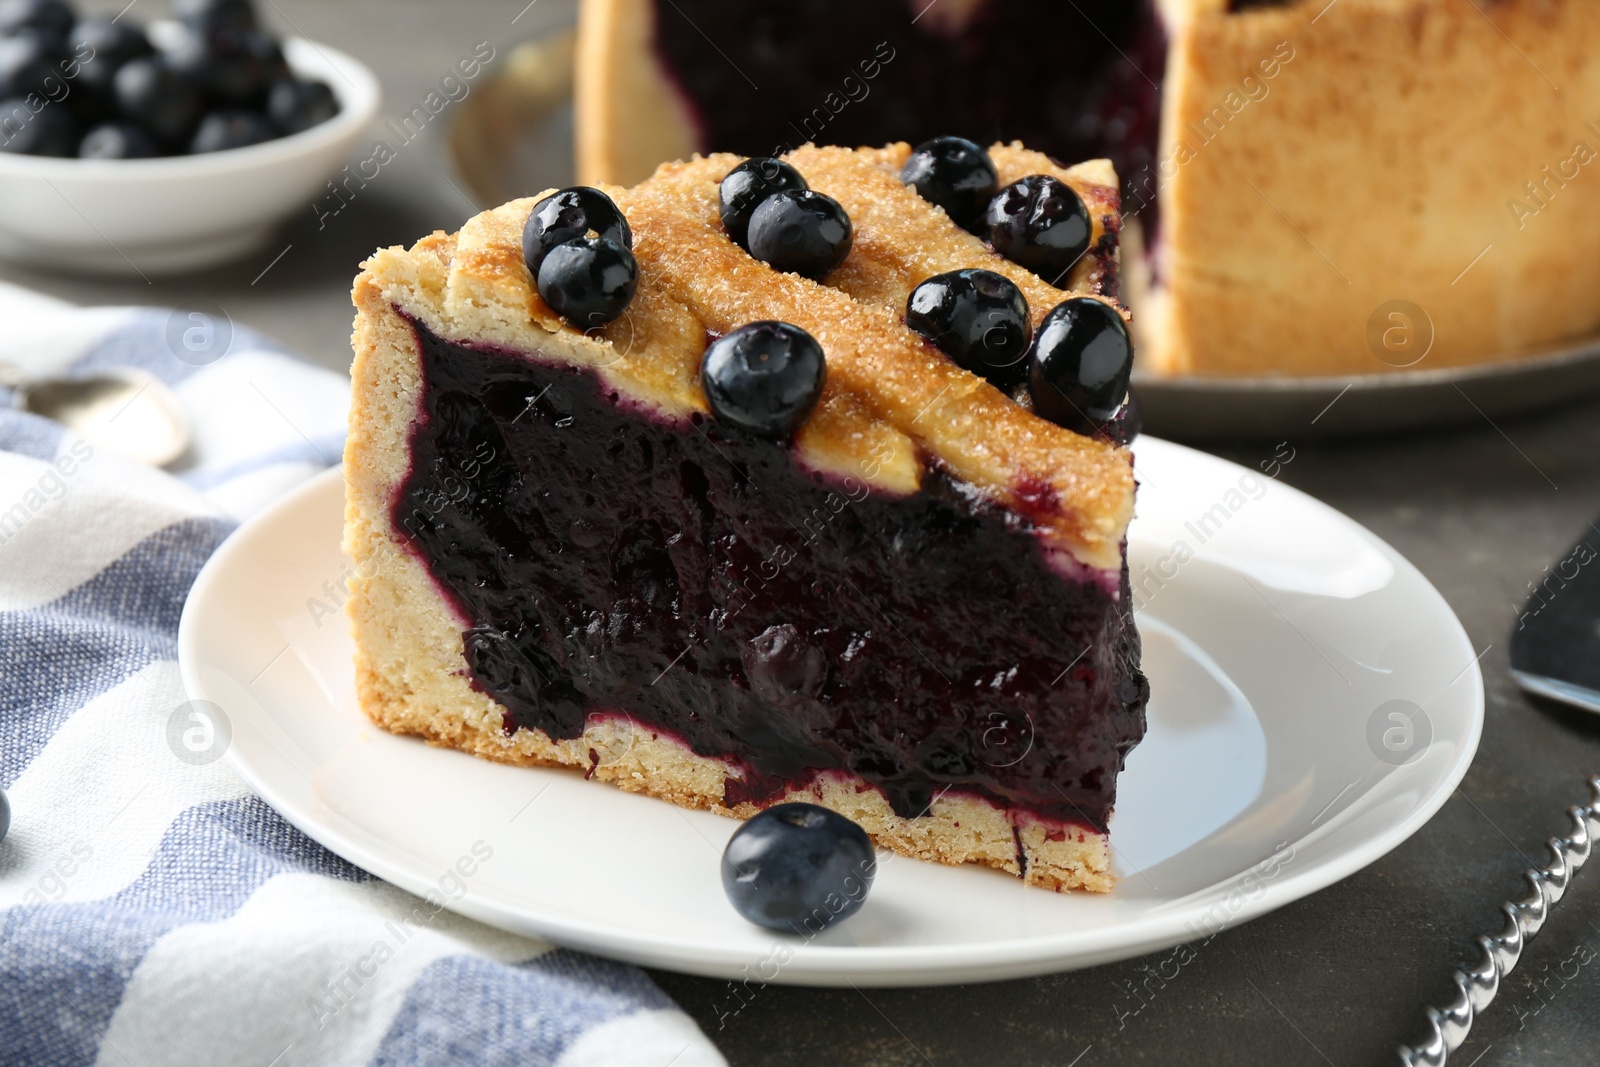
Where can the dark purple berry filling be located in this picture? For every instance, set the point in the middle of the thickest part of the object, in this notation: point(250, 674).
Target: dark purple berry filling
point(697, 580)
point(1073, 80)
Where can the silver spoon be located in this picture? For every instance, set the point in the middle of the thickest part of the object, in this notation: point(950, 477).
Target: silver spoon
point(123, 409)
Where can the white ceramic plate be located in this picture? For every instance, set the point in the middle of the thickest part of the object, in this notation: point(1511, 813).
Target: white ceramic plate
point(1315, 702)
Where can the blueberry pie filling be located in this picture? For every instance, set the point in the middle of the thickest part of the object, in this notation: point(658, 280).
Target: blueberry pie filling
point(733, 537)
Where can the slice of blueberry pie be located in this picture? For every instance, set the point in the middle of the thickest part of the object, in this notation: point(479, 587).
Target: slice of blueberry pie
point(767, 480)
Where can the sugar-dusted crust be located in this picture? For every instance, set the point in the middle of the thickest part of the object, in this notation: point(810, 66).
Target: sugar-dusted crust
point(901, 242)
point(1393, 144)
point(890, 397)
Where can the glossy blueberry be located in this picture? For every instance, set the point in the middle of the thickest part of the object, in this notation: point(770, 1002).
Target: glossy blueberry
point(765, 377)
point(978, 318)
point(158, 98)
point(1079, 364)
point(295, 106)
point(117, 140)
point(746, 186)
point(798, 868)
point(1041, 223)
point(955, 174)
point(588, 280)
point(35, 18)
point(209, 16)
point(5, 815)
point(49, 131)
point(31, 65)
point(230, 68)
point(226, 128)
point(568, 214)
point(800, 231)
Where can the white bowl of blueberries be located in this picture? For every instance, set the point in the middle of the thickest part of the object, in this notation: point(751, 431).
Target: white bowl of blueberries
point(142, 150)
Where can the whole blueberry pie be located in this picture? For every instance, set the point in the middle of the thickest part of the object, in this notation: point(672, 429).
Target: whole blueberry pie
point(1320, 187)
point(767, 480)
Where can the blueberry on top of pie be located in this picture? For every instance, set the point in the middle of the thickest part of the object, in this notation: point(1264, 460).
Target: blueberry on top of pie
point(732, 534)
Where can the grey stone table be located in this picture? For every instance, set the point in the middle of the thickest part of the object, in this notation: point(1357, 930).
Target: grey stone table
point(1339, 977)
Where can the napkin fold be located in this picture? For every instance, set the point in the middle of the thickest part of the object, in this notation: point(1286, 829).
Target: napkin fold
point(153, 910)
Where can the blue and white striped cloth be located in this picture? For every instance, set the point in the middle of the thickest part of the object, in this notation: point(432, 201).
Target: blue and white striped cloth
point(154, 913)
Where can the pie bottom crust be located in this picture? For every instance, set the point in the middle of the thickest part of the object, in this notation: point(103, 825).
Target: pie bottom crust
point(410, 676)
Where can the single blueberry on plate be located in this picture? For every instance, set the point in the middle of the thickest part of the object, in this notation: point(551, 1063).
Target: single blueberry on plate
point(798, 867)
point(978, 318)
point(209, 16)
point(35, 18)
point(588, 280)
point(765, 377)
point(117, 140)
point(568, 214)
point(224, 129)
point(1041, 223)
point(295, 106)
point(1079, 364)
point(746, 186)
point(49, 131)
point(158, 98)
point(800, 231)
point(954, 173)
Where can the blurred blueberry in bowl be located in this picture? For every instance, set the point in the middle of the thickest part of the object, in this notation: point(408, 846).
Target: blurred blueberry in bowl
point(117, 140)
point(294, 105)
point(45, 132)
point(221, 130)
point(151, 94)
point(131, 149)
point(101, 48)
point(43, 19)
point(209, 16)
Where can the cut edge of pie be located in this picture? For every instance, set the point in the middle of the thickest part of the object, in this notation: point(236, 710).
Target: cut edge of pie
point(893, 408)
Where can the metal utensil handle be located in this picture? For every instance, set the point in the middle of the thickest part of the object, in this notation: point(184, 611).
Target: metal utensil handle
point(1476, 987)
